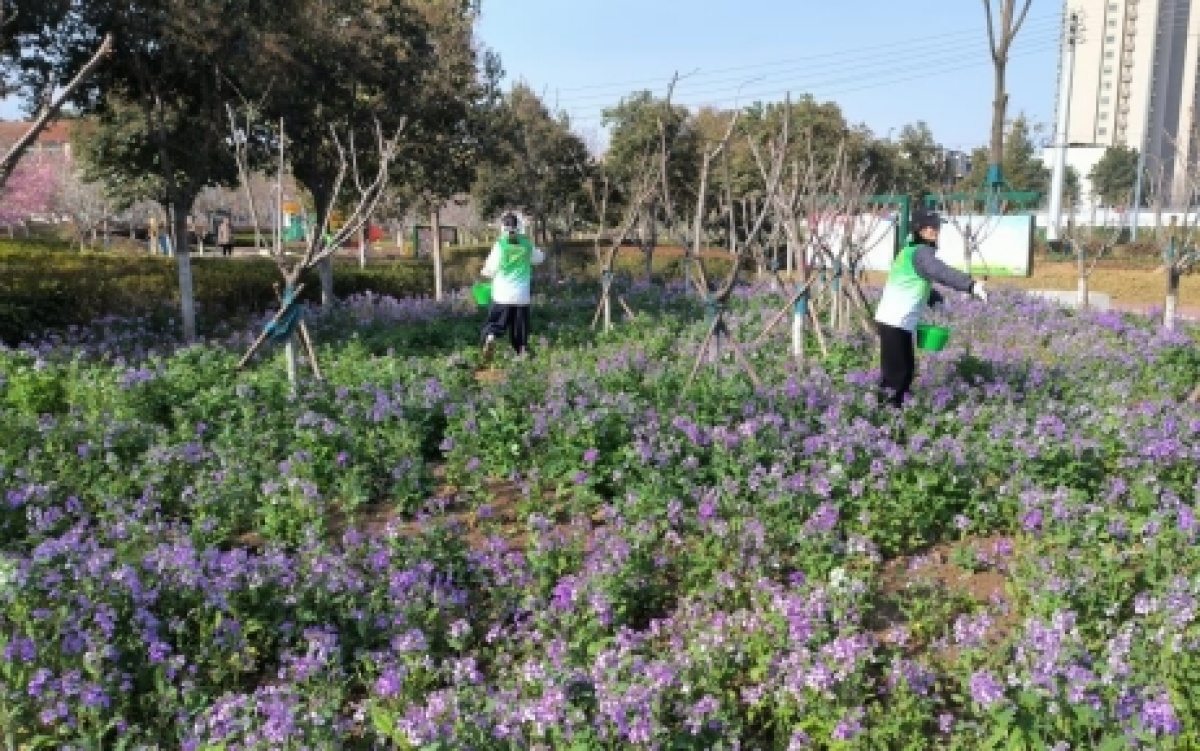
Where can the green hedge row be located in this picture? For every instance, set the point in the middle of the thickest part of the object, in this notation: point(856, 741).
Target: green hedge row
point(44, 285)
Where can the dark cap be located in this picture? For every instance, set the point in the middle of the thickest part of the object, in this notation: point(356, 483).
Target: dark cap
point(923, 218)
point(510, 222)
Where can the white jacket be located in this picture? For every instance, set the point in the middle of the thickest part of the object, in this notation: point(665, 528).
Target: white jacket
point(510, 286)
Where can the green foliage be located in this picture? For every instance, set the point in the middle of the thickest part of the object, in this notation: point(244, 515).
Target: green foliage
point(635, 143)
point(42, 289)
point(540, 165)
point(1023, 167)
point(1114, 176)
point(45, 285)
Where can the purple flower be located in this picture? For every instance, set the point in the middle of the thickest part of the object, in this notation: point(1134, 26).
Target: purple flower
point(20, 649)
point(945, 723)
point(1158, 716)
point(849, 727)
point(986, 690)
point(1032, 520)
point(590, 456)
point(389, 683)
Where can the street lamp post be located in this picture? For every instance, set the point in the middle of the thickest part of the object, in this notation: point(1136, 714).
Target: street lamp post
point(1053, 226)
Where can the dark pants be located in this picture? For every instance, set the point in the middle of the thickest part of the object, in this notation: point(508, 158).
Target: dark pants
point(511, 318)
point(897, 363)
point(227, 250)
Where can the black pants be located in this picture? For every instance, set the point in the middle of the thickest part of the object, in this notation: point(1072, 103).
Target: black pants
point(226, 250)
point(897, 363)
point(511, 318)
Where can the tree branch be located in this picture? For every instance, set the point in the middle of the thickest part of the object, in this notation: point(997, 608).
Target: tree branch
point(50, 111)
point(991, 29)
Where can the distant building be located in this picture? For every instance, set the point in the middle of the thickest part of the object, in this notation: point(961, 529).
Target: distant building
point(1135, 83)
point(53, 145)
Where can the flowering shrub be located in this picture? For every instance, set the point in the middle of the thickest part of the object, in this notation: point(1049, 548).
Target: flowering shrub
point(583, 555)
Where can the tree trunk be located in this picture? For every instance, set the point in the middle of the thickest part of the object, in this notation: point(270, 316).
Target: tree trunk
point(1172, 271)
point(289, 350)
point(649, 235)
point(799, 318)
point(1081, 264)
point(435, 224)
point(183, 262)
point(999, 110)
point(364, 249)
point(555, 253)
point(325, 271)
point(1172, 303)
point(324, 203)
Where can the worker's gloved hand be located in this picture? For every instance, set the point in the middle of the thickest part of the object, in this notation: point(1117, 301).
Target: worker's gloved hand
point(935, 298)
point(980, 291)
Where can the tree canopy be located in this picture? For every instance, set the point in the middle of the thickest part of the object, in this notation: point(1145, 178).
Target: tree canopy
point(1114, 176)
point(539, 164)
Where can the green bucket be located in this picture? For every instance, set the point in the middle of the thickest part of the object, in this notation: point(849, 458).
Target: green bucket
point(932, 338)
point(482, 292)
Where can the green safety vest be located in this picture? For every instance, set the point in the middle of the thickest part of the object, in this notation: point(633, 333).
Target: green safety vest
point(516, 258)
point(905, 294)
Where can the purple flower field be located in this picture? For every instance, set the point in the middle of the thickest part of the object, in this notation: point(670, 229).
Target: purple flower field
point(583, 554)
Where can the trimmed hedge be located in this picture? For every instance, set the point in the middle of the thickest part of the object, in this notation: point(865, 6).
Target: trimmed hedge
point(44, 285)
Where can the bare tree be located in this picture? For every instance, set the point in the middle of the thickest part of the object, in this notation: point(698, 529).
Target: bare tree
point(50, 108)
point(1091, 244)
point(86, 206)
point(1181, 253)
point(639, 194)
point(839, 232)
point(740, 244)
point(796, 204)
point(1001, 34)
point(369, 189)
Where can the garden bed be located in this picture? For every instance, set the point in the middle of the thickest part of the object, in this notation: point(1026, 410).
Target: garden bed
point(585, 554)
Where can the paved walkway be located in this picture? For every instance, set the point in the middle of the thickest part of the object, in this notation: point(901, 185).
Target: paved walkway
point(1184, 312)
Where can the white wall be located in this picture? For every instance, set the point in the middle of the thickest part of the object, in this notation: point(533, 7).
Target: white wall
point(1006, 248)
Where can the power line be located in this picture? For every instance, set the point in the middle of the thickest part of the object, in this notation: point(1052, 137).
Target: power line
point(971, 61)
point(878, 60)
point(1031, 22)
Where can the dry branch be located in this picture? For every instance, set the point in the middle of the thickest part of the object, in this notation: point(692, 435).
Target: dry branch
point(51, 109)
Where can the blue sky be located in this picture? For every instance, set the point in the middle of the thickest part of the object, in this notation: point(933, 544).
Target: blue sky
point(886, 63)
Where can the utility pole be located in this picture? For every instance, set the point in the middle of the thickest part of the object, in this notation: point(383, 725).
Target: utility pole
point(1061, 137)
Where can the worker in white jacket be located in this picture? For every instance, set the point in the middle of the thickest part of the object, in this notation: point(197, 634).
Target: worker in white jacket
point(908, 291)
point(510, 266)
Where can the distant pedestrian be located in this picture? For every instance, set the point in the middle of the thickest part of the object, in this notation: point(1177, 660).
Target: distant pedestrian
point(152, 234)
point(510, 266)
point(225, 237)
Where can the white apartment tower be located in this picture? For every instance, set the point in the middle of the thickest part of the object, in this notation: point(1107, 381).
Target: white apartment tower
point(1135, 82)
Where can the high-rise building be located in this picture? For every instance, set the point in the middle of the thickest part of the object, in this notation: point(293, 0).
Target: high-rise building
point(1135, 84)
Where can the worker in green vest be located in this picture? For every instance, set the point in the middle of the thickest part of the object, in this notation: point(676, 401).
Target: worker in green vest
point(908, 291)
point(510, 266)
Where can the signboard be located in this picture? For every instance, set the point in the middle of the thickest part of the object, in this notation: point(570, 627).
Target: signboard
point(1005, 243)
point(875, 234)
